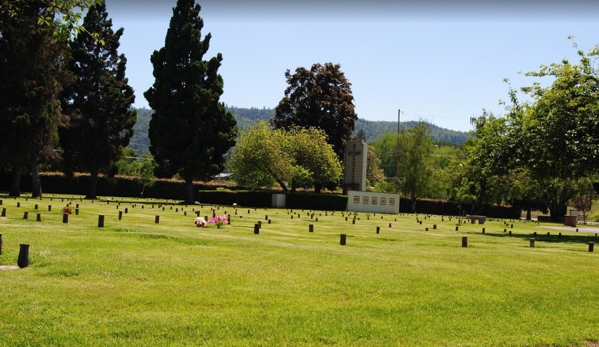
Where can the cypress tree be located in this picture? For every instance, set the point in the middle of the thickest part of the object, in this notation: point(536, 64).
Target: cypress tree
point(98, 103)
point(31, 76)
point(190, 130)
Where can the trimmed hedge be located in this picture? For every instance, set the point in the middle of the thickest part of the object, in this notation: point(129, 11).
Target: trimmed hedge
point(122, 186)
point(451, 208)
point(306, 201)
point(125, 186)
point(241, 198)
point(312, 201)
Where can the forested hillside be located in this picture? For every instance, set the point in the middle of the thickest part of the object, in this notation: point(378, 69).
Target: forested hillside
point(248, 116)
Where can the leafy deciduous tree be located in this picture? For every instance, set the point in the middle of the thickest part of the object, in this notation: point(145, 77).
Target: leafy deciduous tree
point(562, 124)
point(259, 159)
point(310, 150)
point(386, 147)
point(298, 157)
point(190, 130)
point(374, 172)
point(415, 164)
point(320, 97)
point(583, 201)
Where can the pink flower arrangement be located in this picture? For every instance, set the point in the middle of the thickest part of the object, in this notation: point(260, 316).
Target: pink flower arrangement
point(219, 221)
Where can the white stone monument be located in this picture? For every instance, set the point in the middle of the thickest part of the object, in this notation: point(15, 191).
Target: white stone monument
point(355, 166)
point(372, 202)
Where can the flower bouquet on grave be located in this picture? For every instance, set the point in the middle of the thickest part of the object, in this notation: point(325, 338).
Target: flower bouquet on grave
point(200, 222)
point(219, 221)
point(67, 209)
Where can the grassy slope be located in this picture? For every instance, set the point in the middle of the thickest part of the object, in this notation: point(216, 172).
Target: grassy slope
point(138, 283)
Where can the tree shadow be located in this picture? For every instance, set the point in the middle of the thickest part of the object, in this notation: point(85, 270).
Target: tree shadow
point(553, 237)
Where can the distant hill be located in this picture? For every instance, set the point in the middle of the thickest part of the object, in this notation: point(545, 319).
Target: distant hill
point(246, 117)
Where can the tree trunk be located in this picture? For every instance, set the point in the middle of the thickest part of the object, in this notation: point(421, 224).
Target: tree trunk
point(15, 183)
point(557, 211)
point(317, 187)
point(413, 201)
point(93, 184)
point(282, 184)
point(528, 214)
point(190, 196)
point(36, 184)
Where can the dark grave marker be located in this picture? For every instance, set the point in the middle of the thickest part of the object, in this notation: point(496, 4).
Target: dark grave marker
point(25, 215)
point(532, 242)
point(157, 219)
point(591, 246)
point(23, 260)
point(311, 228)
point(256, 229)
point(464, 241)
point(342, 239)
point(120, 215)
point(38, 218)
point(65, 218)
point(3, 211)
point(378, 230)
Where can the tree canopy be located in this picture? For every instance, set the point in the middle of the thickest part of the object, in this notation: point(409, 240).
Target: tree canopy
point(100, 122)
point(557, 133)
point(298, 158)
point(190, 130)
point(319, 97)
point(31, 75)
point(415, 161)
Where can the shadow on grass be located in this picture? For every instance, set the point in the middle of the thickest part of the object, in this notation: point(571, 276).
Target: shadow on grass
point(554, 237)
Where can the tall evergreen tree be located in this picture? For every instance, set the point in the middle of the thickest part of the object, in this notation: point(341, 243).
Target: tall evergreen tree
point(31, 76)
point(100, 121)
point(190, 130)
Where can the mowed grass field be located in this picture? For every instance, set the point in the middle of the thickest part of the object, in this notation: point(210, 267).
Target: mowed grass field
point(138, 283)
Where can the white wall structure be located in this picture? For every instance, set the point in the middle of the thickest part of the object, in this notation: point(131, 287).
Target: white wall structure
point(373, 202)
point(278, 200)
point(354, 177)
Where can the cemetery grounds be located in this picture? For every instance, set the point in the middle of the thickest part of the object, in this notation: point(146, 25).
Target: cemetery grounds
point(139, 281)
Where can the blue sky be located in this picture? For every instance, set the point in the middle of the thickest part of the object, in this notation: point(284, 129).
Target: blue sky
point(443, 62)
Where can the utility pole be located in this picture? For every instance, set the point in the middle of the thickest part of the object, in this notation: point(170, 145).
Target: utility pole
point(397, 149)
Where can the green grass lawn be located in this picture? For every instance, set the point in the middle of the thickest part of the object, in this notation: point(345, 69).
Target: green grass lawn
point(138, 283)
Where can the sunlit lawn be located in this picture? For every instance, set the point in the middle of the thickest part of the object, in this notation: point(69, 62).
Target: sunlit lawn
point(138, 283)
